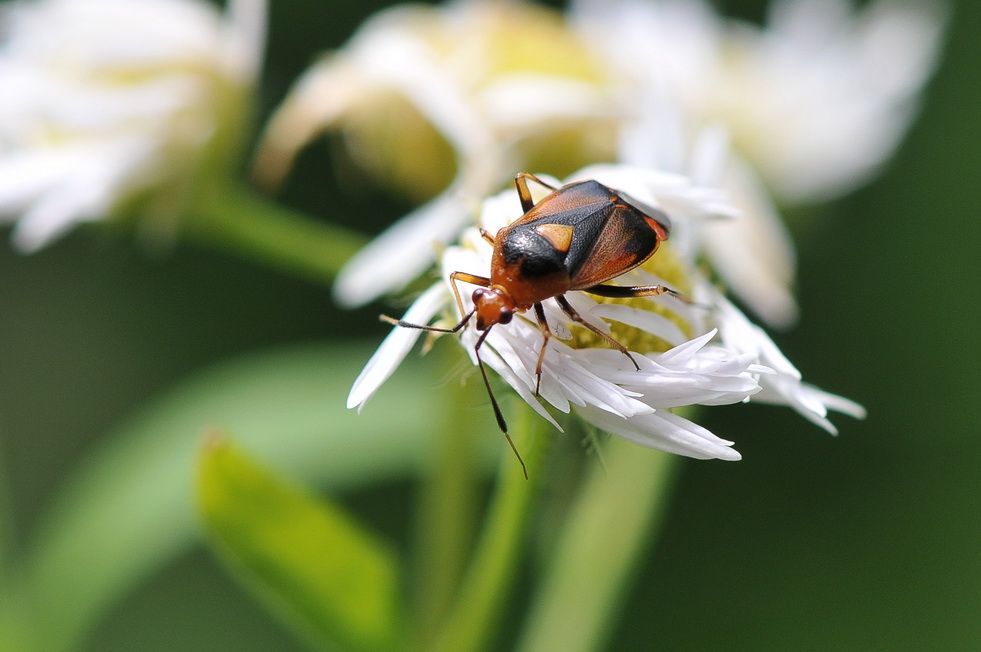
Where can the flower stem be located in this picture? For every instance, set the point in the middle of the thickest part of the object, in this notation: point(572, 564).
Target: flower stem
point(613, 521)
point(238, 220)
point(15, 630)
point(448, 507)
point(495, 561)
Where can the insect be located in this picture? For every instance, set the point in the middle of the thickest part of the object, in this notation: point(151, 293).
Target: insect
point(577, 237)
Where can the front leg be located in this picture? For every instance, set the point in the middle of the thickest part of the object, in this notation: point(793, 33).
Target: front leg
point(473, 279)
point(487, 235)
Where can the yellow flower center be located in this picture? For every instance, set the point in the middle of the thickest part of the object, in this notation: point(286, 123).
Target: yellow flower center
point(666, 265)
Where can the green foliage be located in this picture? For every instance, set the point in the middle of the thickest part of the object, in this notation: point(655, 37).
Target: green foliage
point(128, 508)
point(306, 559)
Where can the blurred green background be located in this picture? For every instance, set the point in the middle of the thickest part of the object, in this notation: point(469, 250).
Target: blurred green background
point(868, 541)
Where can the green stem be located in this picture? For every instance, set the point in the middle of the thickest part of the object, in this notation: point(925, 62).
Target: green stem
point(614, 520)
point(447, 507)
point(15, 630)
point(248, 224)
point(497, 556)
point(7, 530)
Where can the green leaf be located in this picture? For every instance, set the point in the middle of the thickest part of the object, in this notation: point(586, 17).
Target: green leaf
point(307, 560)
point(613, 520)
point(127, 510)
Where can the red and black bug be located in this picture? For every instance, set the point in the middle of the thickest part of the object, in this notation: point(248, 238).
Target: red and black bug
point(578, 237)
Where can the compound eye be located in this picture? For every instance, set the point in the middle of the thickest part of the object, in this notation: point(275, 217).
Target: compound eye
point(506, 316)
point(478, 294)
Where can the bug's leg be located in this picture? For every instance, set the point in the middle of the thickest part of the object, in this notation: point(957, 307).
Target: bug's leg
point(497, 409)
point(486, 235)
point(421, 327)
point(521, 182)
point(455, 277)
point(627, 291)
point(546, 333)
point(576, 317)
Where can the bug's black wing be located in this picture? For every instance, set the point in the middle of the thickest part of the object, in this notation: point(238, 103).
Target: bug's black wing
point(609, 236)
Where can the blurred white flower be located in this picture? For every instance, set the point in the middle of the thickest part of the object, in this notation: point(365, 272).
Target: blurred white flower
point(816, 101)
point(110, 104)
point(449, 102)
point(753, 255)
point(813, 105)
point(684, 359)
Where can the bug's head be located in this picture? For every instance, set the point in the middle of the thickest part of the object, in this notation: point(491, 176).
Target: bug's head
point(493, 306)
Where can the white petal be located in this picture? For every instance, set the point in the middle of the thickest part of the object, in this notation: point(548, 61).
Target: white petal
point(784, 386)
point(807, 400)
point(319, 98)
point(246, 25)
point(520, 102)
point(690, 374)
point(397, 345)
point(58, 212)
point(403, 63)
point(402, 252)
point(566, 367)
point(518, 383)
point(460, 259)
point(650, 322)
point(25, 175)
point(88, 195)
point(664, 431)
point(673, 192)
point(754, 255)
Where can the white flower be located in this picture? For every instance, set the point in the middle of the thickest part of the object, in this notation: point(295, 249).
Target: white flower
point(110, 102)
point(753, 255)
point(602, 385)
point(817, 101)
point(492, 79)
point(813, 105)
